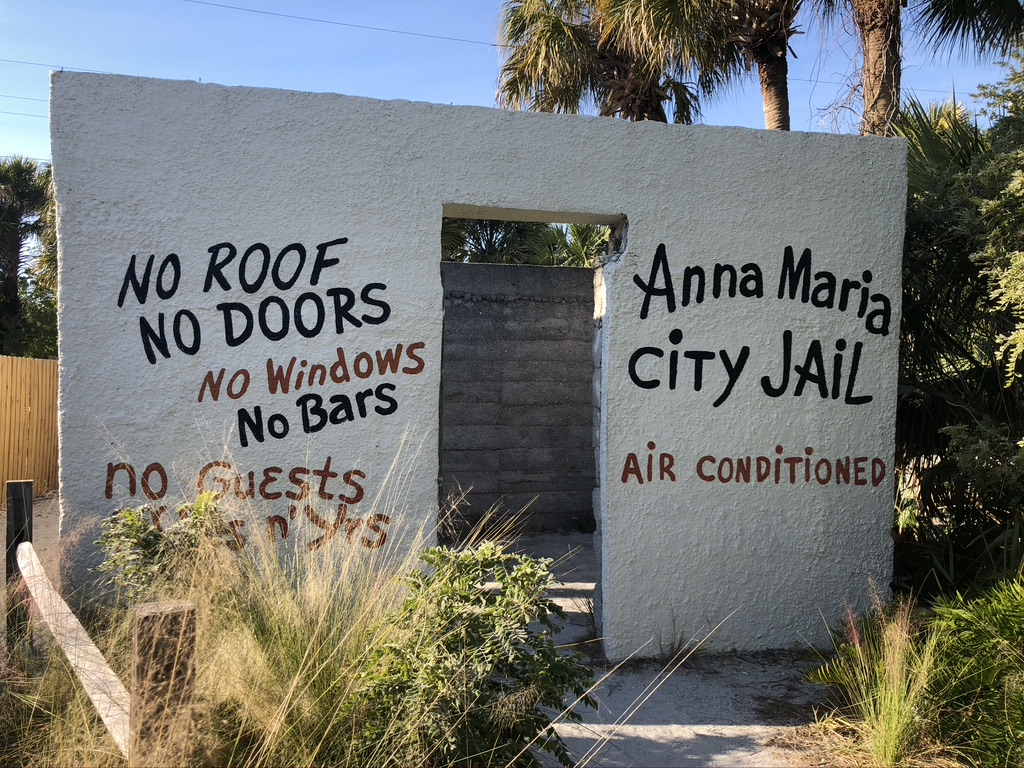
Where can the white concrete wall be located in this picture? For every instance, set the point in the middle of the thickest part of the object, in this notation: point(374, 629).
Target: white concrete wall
point(772, 554)
point(149, 167)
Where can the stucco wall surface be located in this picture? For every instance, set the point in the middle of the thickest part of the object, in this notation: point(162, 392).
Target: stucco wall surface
point(747, 427)
point(147, 167)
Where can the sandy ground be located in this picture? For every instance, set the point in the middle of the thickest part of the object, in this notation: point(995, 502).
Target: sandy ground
point(715, 710)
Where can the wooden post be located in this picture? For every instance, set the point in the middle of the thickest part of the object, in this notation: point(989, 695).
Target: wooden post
point(19, 520)
point(163, 676)
point(19, 530)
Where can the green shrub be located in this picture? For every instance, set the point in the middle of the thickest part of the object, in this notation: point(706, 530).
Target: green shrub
point(346, 657)
point(137, 552)
point(475, 675)
point(946, 684)
point(980, 688)
point(967, 529)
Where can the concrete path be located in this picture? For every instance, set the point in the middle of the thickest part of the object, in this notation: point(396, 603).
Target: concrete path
point(714, 710)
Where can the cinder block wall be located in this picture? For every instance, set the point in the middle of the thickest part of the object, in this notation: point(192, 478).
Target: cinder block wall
point(517, 392)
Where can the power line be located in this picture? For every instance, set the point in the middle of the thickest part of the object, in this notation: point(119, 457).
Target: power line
point(24, 114)
point(375, 29)
point(442, 37)
point(23, 98)
point(342, 23)
point(53, 66)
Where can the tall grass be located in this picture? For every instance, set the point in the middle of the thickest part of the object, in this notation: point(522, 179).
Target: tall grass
point(45, 716)
point(882, 673)
point(343, 656)
point(982, 680)
point(283, 640)
point(946, 687)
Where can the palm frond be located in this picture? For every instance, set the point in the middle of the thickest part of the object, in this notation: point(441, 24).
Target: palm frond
point(974, 26)
point(941, 139)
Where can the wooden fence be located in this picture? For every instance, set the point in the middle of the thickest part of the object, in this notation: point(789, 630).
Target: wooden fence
point(28, 422)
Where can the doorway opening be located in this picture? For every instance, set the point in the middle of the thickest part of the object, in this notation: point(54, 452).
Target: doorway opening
point(518, 370)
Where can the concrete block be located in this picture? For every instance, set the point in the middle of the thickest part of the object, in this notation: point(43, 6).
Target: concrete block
point(470, 414)
point(460, 391)
point(458, 463)
point(543, 415)
point(572, 394)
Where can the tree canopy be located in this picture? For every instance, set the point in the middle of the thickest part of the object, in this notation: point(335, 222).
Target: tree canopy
point(962, 337)
point(658, 59)
point(490, 241)
point(27, 217)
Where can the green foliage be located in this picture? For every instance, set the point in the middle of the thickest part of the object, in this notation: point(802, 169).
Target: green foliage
point(980, 685)
point(1000, 206)
point(949, 334)
point(1004, 252)
point(471, 678)
point(137, 552)
point(564, 56)
point(37, 336)
point(1005, 106)
point(967, 526)
point(349, 658)
point(487, 241)
point(962, 267)
point(492, 241)
point(994, 461)
point(26, 202)
point(939, 685)
point(962, 336)
point(941, 139)
point(579, 245)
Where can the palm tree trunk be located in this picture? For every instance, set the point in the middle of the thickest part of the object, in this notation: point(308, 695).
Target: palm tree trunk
point(773, 72)
point(881, 36)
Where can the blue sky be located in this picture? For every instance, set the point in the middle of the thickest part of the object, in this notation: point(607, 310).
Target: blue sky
point(190, 40)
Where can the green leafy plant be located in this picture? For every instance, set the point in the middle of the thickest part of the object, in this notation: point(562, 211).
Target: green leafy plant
point(964, 528)
point(980, 685)
point(443, 659)
point(939, 687)
point(475, 674)
point(961, 335)
point(137, 552)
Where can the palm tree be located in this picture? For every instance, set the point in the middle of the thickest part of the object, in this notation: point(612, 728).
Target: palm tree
point(45, 269)
point(560, 57)
point(762, 29)
point(713, 34)
point(486, 241)
point(982, 27)
point(955, 410)
point(24, 195)
point(630, 57)
point(948, 350)
point(579, 245)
